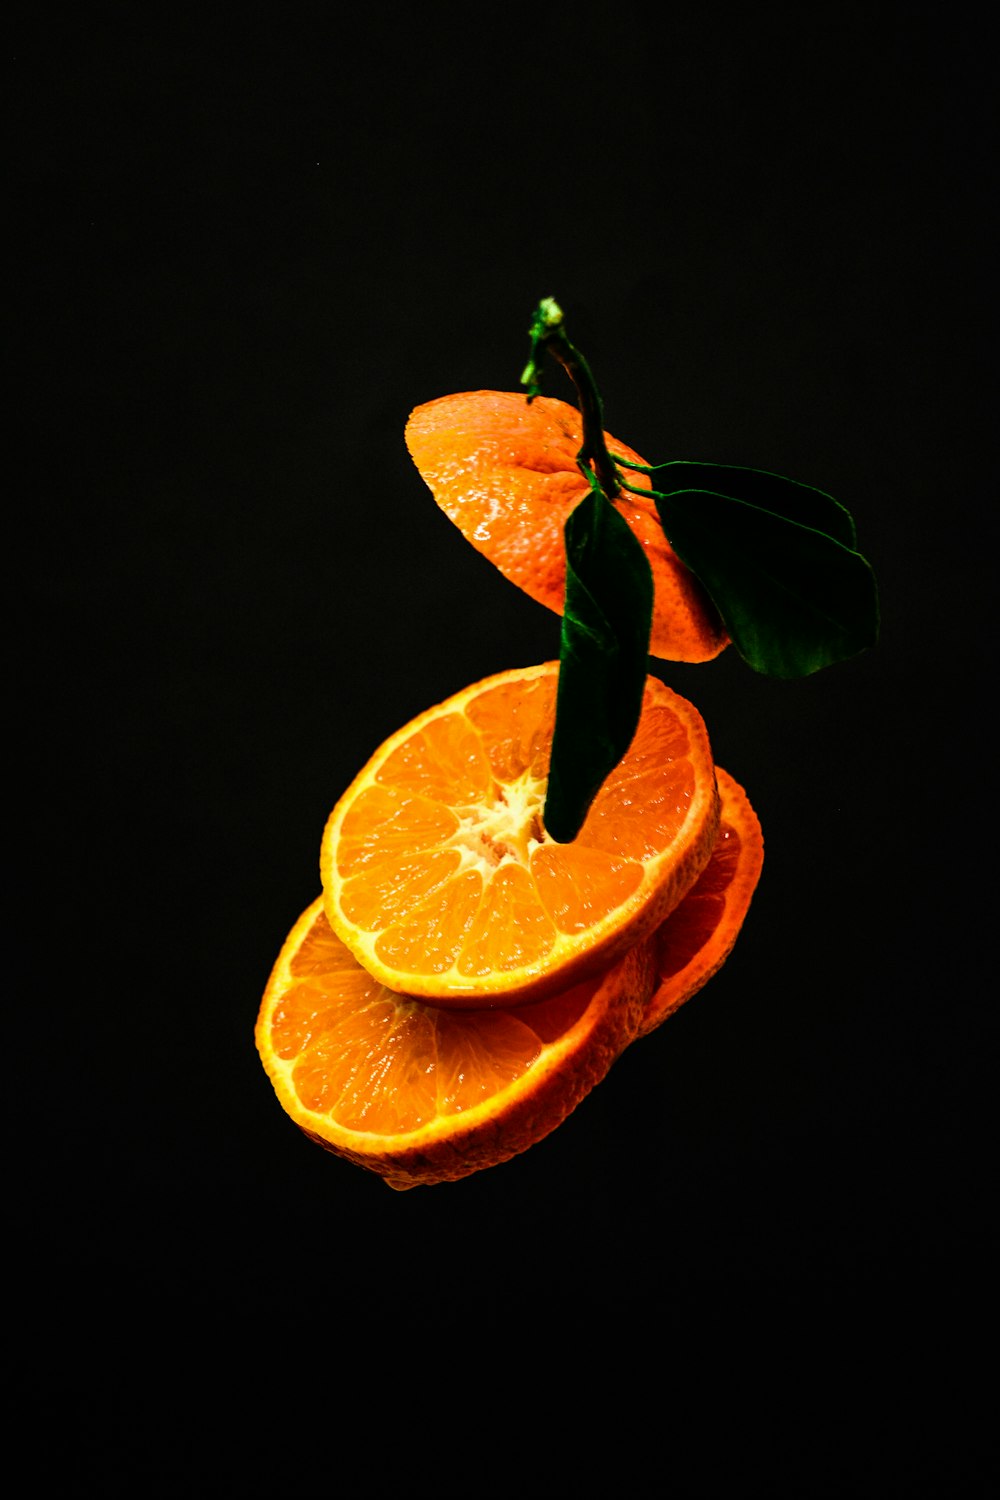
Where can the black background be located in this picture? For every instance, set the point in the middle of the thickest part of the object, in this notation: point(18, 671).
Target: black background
point(250, 240)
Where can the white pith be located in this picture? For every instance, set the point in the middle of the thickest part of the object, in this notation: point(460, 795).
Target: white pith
point(506, 831)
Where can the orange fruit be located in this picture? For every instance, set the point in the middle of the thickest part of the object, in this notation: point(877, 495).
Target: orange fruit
point(505, 472)
point(697, 937)
point(441, 879)
point(421, 1094)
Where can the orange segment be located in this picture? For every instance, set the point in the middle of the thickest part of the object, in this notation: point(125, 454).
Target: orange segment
point(698, 936)
point(441, 879)
point(513, 930)
point(421, 1094)
point(505, 472)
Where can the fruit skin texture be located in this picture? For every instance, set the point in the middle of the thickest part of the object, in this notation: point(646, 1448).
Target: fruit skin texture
point(505, 472)
point(505, 1124)
point(615, 826)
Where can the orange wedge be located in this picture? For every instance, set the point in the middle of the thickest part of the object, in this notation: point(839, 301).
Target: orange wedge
point(420, 1094)
point(697, 937)
point(441, 879)
point(505, 472)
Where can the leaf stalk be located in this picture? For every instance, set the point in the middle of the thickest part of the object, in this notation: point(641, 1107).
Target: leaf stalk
point(548, 333)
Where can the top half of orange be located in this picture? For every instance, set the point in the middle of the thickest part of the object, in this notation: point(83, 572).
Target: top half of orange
point(505, 471)
point(439, 874)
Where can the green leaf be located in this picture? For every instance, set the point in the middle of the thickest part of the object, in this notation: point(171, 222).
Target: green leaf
point(603, 658)
point(794, 598)
point(773, 492)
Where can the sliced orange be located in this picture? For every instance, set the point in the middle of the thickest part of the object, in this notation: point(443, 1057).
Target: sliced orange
point(420, 1094)
point(697, 937)
point(505, 472)
point(441, 879)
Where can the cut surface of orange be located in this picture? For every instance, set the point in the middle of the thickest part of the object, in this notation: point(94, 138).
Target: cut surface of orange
point(505, 472)
point(697, 937)
point(441, 879)
point(421, 1094)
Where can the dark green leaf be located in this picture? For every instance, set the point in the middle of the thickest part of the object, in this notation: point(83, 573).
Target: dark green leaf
point(793, 598)
point(773, 492)
point(602, 658)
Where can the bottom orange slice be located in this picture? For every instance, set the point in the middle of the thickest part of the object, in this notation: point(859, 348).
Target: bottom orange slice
point(420, 1093)
point(695, 940)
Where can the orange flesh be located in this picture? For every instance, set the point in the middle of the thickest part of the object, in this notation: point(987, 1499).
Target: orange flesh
point(422, 1093)
point(380, 1063)
point(441, 858)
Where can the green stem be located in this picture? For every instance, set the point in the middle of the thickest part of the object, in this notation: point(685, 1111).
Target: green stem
point(547, 332)
point(636, 489)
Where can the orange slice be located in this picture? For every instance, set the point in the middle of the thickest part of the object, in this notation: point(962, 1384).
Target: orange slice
point(697, 937)
point(505, 472)
point(439, 875)
point(420, 1094)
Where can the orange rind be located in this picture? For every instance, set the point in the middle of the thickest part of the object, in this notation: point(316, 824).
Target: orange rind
point(694, 941)
point(504, 471)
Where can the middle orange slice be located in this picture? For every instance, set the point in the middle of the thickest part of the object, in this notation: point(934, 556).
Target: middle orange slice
point(438, 873)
